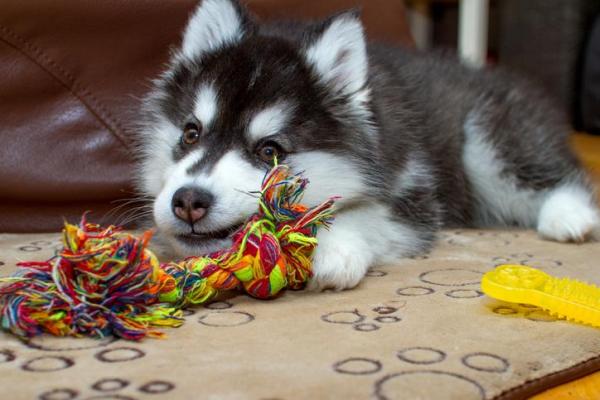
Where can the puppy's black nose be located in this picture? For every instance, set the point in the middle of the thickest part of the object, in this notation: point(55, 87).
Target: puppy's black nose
point(191, 204)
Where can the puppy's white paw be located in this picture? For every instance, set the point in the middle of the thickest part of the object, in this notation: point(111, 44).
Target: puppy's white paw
point(569, 215)
point(338, 266)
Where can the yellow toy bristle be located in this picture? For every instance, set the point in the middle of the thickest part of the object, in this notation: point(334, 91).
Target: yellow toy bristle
point(562, 297)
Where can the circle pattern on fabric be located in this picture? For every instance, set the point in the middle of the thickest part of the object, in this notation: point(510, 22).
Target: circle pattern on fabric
point(366, 327)
point(505, 310)
point(30, 248)
point(411, 384)
point(7, 355)
point(188, 312)
point(357, 366)
point(59, 394)
point(219, 305)
point(375, 273)
point(344, 317)
point(119, 354)
point(48, 364)
point(421, 355)
point(41, 243)
point(414, 291)
point(385, 310)
point(110, 384)
point(527, 259)
point(57, 343)
point(464, 293)
point(451, 277)
point(486, 362)
point(222, 319)
point(387, 319)
point(156, 387)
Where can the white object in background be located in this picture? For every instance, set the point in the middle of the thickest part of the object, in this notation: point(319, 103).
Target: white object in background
point(473, 32)
point(420, 24)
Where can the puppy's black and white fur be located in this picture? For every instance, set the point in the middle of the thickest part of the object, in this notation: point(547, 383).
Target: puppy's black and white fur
point(410, 142)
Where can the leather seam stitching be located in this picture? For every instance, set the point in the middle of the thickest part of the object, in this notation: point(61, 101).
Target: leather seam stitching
point(68, 80)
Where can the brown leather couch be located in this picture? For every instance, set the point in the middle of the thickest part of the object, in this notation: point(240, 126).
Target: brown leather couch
point(72, 73)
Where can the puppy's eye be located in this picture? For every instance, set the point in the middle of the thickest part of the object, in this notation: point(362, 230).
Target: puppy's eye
point(191, 134)
point(269, 151)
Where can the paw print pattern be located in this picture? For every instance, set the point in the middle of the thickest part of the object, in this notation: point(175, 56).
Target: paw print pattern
point(375, 273)
point(110, 385)
point(119, 354)
point(532, 313)
point(357, 366)
point(451, 277)
point(414, 291)
point(464, 293)
point(382, 315)
point(470, 238)
point(485, 362)
point(39, 245)
point(157, 387)
point(459, 278)
point(59, 344)
point(110, 388)
point(421, 355)
point(219, 315)
point(52, 363)
point(59, 394)
point(44, 364)
point(215, 305)
point(422, 368)
point(225, 318)
point(219, 305)
point(453, 293)
point(7, 356)
point(527, 259)
point(414, 381)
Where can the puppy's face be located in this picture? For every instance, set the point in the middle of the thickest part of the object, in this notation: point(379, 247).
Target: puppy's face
point(237, 97)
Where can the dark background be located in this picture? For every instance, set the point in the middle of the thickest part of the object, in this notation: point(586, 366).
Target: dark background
point(550, 41)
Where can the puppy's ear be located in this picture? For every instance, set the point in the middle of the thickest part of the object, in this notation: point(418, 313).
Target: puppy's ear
point(214, 24)
point(337, 53)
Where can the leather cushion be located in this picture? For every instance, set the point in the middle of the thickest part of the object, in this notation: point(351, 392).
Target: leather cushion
point(72, 75)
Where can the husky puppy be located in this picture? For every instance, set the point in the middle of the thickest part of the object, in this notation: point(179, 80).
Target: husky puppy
point(412, 143)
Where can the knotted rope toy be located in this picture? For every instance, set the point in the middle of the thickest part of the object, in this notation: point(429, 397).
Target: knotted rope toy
point(107, 282)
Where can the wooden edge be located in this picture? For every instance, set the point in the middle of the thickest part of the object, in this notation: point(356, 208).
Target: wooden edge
point(539, 385)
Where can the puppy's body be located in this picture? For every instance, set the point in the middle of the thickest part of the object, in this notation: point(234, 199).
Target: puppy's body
point(411, 142)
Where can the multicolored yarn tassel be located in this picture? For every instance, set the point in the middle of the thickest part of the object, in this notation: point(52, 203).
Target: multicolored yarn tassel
point(107, 282)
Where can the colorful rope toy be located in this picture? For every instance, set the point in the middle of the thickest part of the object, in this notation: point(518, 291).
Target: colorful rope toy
point(107, 282)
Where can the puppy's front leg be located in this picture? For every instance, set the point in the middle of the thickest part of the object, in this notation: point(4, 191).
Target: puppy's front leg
point(358, 239)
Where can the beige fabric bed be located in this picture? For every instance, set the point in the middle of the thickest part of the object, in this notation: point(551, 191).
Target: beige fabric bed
point(417, 330)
